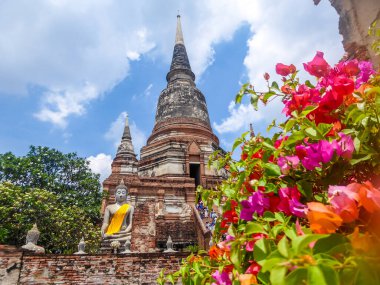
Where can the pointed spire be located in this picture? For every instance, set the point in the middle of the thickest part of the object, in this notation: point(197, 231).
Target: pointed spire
point(180, 67)
point(252, 133)
point(179, 35)
point(126, 146)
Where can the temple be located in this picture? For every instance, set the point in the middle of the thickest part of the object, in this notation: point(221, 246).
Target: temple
point(162, 183)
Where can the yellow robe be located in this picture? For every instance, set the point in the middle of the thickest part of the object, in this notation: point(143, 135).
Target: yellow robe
point(117, 220)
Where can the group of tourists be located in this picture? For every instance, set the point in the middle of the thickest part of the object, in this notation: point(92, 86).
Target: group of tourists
point(208, 217)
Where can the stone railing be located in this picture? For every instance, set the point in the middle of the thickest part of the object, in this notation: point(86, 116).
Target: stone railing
point(203, 234)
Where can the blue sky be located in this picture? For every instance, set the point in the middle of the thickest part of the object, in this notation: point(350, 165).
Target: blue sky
point(70, 70)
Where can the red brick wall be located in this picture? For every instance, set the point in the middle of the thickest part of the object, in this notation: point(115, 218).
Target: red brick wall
point(135, 268)
point(10, 263)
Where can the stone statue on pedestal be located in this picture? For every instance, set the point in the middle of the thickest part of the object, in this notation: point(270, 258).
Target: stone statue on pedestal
point(31, 241)
point(117, 222)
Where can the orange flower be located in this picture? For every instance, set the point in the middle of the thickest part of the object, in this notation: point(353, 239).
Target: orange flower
point(215, 252)
point(361, 243)
point(369, 197)
point(194, 258)
point(322, 219)
point(247, 279)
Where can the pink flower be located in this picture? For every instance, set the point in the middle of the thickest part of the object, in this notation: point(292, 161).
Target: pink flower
point(221, 278)
point(349, 67)
point(257, 202)
point(288, 162)
point(303, 97)
point(285, 70)
point(366, 70)
point(318, 66)
point(289, 202)
point(254, 268)
point(313, 155)
point(344, 201)
point(266, 76)
point(345, 146)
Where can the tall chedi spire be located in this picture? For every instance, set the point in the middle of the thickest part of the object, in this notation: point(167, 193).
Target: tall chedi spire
point(125, 155)
point(182, 138)
point(181, 98)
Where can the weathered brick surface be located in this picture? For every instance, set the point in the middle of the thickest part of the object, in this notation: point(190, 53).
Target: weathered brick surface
point(135, 268)
point(10, 263)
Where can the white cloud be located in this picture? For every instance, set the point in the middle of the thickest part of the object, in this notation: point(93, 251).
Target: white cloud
point(116, 129)
point(66, 47)
point(239, 116)
point(57, 105)
point(101, 164)
point(288, 32)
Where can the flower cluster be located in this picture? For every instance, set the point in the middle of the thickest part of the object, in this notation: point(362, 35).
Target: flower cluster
point(303, 206)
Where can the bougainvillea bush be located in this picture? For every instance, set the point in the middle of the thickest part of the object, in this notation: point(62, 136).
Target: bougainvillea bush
point(301, 207)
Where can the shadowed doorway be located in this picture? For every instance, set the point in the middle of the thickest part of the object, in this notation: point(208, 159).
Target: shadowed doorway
point(195, 172)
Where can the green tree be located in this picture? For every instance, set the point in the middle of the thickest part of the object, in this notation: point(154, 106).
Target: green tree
point(61, 226)
point(65, 175)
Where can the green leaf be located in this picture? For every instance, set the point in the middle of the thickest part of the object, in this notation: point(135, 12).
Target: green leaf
point(324, 129)
point(307, 111)
point(262, 249)
point(254, 100)
point(322, 275)
point(295, 137)
point(268, 263)
point(358, 160)
point(357, 144)
point(275, 86)
point(296, 277)
point(306, 188)
point(268, 95)
point(272, 170)
point(283, 247)
point(254, 228)
point(236, 254)
point(268, 216)
point(325, 244)
point(312, 133)
point(301, 243)
point(277, 275)
point(289, 125)
point(367, 273)
point(237, 142)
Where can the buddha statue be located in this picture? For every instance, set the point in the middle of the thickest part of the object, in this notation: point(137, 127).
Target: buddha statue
point(31, 241)
point(117, 221)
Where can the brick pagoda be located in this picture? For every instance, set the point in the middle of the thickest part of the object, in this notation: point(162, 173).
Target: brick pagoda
point(162, 184)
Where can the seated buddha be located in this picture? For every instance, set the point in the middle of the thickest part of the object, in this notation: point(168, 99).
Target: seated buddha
point(117, 221)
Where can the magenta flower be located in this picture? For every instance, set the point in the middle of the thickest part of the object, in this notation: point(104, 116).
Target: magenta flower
point(257, 202)
point(366, 70)
point(314, 154)
point(285, 70)
point(288, 162)
point(221, 278)
point(318, 66)
point(345, 146)
point(289, 202)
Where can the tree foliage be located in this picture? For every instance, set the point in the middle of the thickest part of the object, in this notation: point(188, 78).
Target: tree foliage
point(61, 226)
point(65, 175)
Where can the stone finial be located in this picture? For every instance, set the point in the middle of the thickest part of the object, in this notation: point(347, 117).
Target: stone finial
point(81, 247)
point(127, 246)
point(31, 240)
point(169, 245)
point(252, 133)
point(179, 35)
